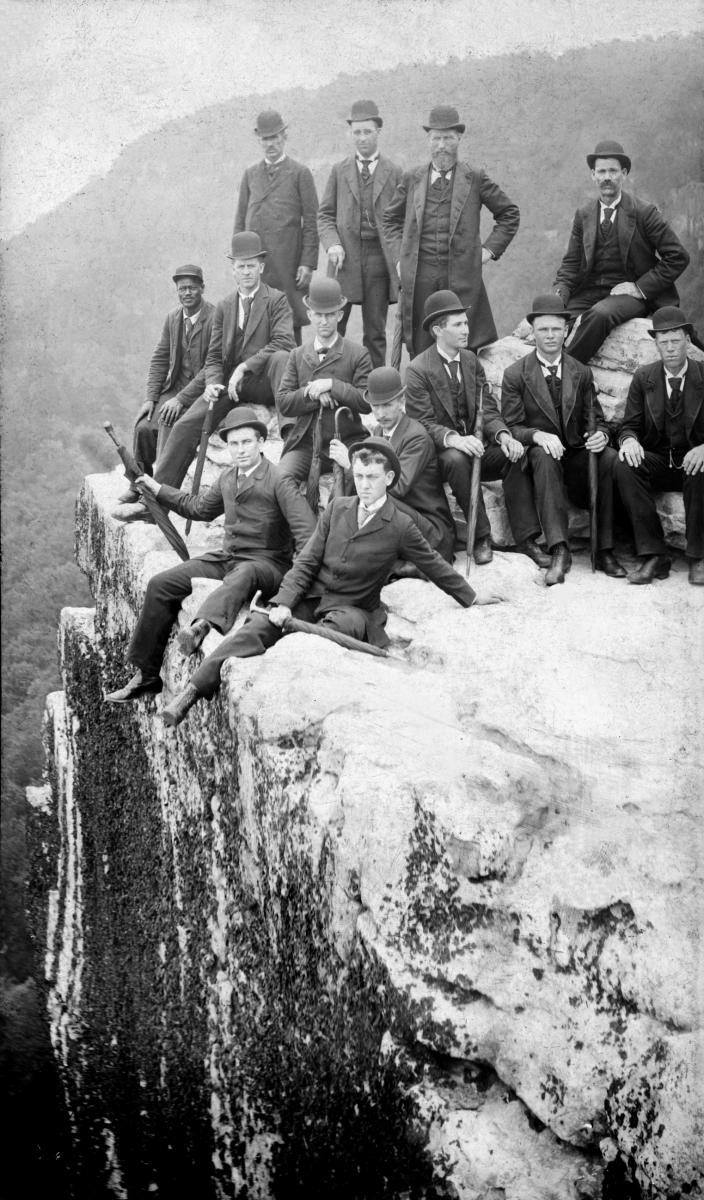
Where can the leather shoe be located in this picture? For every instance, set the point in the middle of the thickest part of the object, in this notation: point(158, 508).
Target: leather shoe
point(532, 550)
point(652, 566)
point(483, 552)
point(137, 686)
point(190, 639)
point(607, 562)
point(174, 712)
point(137, 512)
point(131, 496)
point(560, 564)
point(696, 571)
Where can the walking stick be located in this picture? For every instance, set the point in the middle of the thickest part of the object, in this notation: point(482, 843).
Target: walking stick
point(151, 503)
point(593, 482)
point(475, 482)
point(294, 625)
point(314, 473)
point(200, 461)
point(397, 341)
point(338, 472)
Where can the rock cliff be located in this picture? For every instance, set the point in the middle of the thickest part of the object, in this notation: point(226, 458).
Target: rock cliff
point(428, 926)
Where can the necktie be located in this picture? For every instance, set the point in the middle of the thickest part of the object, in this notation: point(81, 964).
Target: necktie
point(322, 353)
point(188, 326)
point(246, 302)
point(674, 404)
point(551, 380)
point(271, 170)
point(606, 223)
point(363, 515)
point(364, 169)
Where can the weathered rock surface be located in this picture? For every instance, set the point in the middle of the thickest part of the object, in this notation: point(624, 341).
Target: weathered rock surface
point(437, 920)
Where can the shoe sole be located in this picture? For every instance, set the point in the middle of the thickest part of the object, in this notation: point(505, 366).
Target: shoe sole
point(114, 698)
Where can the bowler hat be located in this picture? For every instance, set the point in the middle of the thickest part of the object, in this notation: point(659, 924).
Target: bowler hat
point(669, 317)
point(268, 123)
point(441, 304)
point(190, 271)
point(242, 418)
point(609, 149)
point(380, 445)
point(383, 385)
point(324, 296)
point(548, 305)
point(444, 116)
point(246, 245)
point(364, 110)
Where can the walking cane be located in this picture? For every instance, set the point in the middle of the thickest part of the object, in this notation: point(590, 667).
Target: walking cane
point(397, 341)
point(593, 482)
point(338, 471)
point(475, 482)
point(200, 461)
point(294, 625)
point(150, 501)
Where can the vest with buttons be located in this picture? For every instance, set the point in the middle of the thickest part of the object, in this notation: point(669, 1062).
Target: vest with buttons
point(607, 268)
point(368, 231)
point(183, 369)
point(435, 234)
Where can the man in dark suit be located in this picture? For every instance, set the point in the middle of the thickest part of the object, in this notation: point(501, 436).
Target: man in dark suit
point(278, 201)
point(249, 347)
point(349, 223)
point(261, 510)
point(622, 259)
point(443, 386)
point(662, 447)
point(337, 579)
point(173, 382)
point(320, 377)
point(432, 227)
point(546, 401)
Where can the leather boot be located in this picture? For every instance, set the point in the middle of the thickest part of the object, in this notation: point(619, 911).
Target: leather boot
point(532, 550)
point(190, 639)
point(652, 566)
point(174, 712)
point(696, 571)
point(131, 496)
point(137, 686)
point(607, 562)
point(483, 552)
point(560, 564)
point(134, 512)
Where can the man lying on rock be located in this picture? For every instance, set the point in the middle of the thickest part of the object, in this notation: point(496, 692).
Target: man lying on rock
point(262, 509)
point(338, 576)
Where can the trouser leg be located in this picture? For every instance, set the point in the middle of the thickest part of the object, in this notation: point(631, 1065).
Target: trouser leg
point(296, 464)
point(431, 276)
point(550, 495)
point(693, 497)
point(346, 314)
point(221, 607)
point(164, 595)
point(598, 321)
point(636, 486)
point(253, 638)
point(576, 476)
point(456, 469)
point(375, 301)
point(146, 436)
point(518, 492)
point(184, 437)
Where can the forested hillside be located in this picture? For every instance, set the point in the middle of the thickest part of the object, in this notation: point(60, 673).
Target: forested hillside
point(86, 288)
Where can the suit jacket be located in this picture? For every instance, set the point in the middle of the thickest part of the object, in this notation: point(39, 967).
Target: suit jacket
point(344, 565)
point(429, 400)
point(420, 484)
point(268, 329)
point(283, 211)
point(644, 417)
point(527, 406)
point(348, 365)
point(652, 255)
point(339, 220)
point(403, 221)
point(166, 360)
point(259, 519)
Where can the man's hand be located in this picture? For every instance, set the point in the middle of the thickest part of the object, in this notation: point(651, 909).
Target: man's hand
point(170, 411)
point(596, 442)
point(149, 484)
point(303, 277)
point(336, 256)
point(338, 452)
point(233, 387)
point(147, 410)
point(487, 256)
point(511, 447)
point(320, 389)
point(693, 461)
point(550, 442)
point(212, 392)
point(468, 444)
point(279, 615)
point(626, 289)
point(489, 598)
point(631, 452)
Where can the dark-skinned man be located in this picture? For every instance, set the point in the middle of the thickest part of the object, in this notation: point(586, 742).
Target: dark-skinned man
point(661, 448)
point(546, 399)
point(350, 227)
point(432, 226)
point(262, 512)
point(174, 381)
point(337, 579)
point(443, 385)
point(320, 377)
point(278, 201)
point(622, 259)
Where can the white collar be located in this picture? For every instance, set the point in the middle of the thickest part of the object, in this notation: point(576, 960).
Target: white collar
point(547, 366)
point(194, 317)
point(679, 374)
point(318, 347)
point(374, 508)
point(250, 296)
point(446, 357)
point(435, 172)
point(613, 207)
point(275, 163)
point(250, 471)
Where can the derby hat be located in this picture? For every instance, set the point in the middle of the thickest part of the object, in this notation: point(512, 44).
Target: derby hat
point(548, 305)
point(364, 110)
point(444, 116)
point(246, 245)
point(190, 271)
point(242, 418)
point(380, 445)
point(383, 385)
point(609, 149)
point(269, 123)
point(324, 296)
point(667, 318)
point(441, 304)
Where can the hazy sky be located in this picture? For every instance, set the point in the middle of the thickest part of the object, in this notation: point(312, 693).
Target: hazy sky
point(82, 78)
